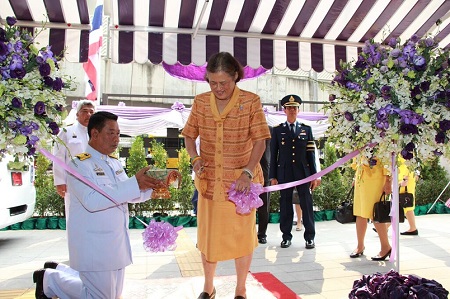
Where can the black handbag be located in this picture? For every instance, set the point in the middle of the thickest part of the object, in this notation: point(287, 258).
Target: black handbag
point(406, 200)
point(344, 212)
point(382, 209)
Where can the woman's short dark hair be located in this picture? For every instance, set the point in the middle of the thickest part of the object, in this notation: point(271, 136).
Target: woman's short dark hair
point(98, 120)
point(224, 62)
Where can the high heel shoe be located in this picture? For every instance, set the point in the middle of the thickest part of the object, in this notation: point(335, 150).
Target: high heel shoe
point(205, 295)
point(381, 258)
point(357, 254)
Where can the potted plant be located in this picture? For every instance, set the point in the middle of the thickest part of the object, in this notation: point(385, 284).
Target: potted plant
point(182, 196)
point(135, 162)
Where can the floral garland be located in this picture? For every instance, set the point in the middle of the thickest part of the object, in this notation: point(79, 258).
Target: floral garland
point(395, 95)
point(31, 92)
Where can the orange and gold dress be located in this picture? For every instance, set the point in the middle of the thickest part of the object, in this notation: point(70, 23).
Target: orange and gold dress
point(226, 142)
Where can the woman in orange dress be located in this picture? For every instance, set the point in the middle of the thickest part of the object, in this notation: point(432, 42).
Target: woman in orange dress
point(233, 129)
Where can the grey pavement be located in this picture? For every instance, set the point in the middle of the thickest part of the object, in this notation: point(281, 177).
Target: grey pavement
point(323, 272)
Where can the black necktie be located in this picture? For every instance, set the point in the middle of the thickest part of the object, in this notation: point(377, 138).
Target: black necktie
point(292, 129)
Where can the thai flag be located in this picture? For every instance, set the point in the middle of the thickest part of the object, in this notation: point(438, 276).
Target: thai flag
point(92, 66)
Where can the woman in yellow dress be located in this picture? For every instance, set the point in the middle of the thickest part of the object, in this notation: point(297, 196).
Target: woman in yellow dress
point(407, 178)
point(372, 178)
point(232, 129)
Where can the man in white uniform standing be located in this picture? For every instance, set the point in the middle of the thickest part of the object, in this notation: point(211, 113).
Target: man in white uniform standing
point(75, 138)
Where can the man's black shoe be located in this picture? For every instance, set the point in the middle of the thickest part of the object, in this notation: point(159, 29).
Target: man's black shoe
point(38, 279)
point(310, 244)
point(50, 265)
point(262, 240)
point(285, 243)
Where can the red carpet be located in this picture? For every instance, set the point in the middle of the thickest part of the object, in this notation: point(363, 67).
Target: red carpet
point(272, 284)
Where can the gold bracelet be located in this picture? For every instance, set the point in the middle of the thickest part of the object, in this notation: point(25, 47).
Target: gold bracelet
point(195, 159)
point(248, 172)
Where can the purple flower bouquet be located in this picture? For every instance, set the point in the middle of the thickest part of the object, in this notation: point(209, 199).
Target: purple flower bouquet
point(31, 90)
point(395, 286)
point(396, 95)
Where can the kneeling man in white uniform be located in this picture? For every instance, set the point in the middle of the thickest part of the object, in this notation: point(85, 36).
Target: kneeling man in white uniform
point(99, 242)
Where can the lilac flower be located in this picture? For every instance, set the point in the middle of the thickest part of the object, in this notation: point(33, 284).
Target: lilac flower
point(382, 125)
point(34, 125)
point(44, 69)
point(3, 49)
point(60, 107)
point(11, 21)
point(408, 129)
point(353, 86)
point(372, 162)
point(429, 42)
point(360, 63)
point(341, 78)
point(16, 62)
point(409, 50)
point(392, 42)
point(410, 147)
point(16, 103)
point(415, 92)
point(395, 53)
point(410, 117)
point(332, 97)
point(370, 99)
point(440, 137)
point(437, 153)
point(414, 38)
point(54, 128)
point(48, 81)
point(425, 86)
point(386, 92)
point(348, 116)
point(39, 108)
point(444, 125)
point(18, 73)
point(32, 140)
point(25, 130)
point(12, 125)
point(31, 151)
point(419, 62)
point(58, 84)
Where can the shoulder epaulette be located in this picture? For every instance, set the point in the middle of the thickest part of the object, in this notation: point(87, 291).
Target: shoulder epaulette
point(83, 156)
point(303, 125)
point(278, 125)
point(113, 156)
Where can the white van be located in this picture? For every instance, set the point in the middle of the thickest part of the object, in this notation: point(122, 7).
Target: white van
point(17, 191)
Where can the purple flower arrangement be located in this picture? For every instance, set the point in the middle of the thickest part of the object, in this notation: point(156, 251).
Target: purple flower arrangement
point(395, 95)
point(392, 285)
point(31, 92)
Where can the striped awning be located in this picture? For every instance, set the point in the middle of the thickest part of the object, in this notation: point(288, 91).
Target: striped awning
point(294, 34)
point(66, 24)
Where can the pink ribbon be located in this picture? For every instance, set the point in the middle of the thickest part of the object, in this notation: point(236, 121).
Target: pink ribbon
point(76, 174)
point(319, 174)
point(394, 210)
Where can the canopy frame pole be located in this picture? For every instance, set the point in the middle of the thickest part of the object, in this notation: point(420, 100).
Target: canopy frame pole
point(200, 18)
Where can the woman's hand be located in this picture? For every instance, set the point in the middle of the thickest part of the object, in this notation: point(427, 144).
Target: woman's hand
point(243, 183)
point(199, 167)
point(387, 188)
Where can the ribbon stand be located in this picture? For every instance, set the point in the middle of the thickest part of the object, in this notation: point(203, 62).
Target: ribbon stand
point(395, 253)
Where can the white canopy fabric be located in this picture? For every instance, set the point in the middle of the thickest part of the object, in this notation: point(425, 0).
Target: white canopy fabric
point(294, 34)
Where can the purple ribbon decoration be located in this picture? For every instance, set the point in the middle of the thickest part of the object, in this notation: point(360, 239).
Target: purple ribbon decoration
point(394, 211)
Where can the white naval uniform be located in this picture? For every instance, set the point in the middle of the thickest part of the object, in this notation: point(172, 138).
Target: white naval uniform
point(75, 138)
point(98, 237)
